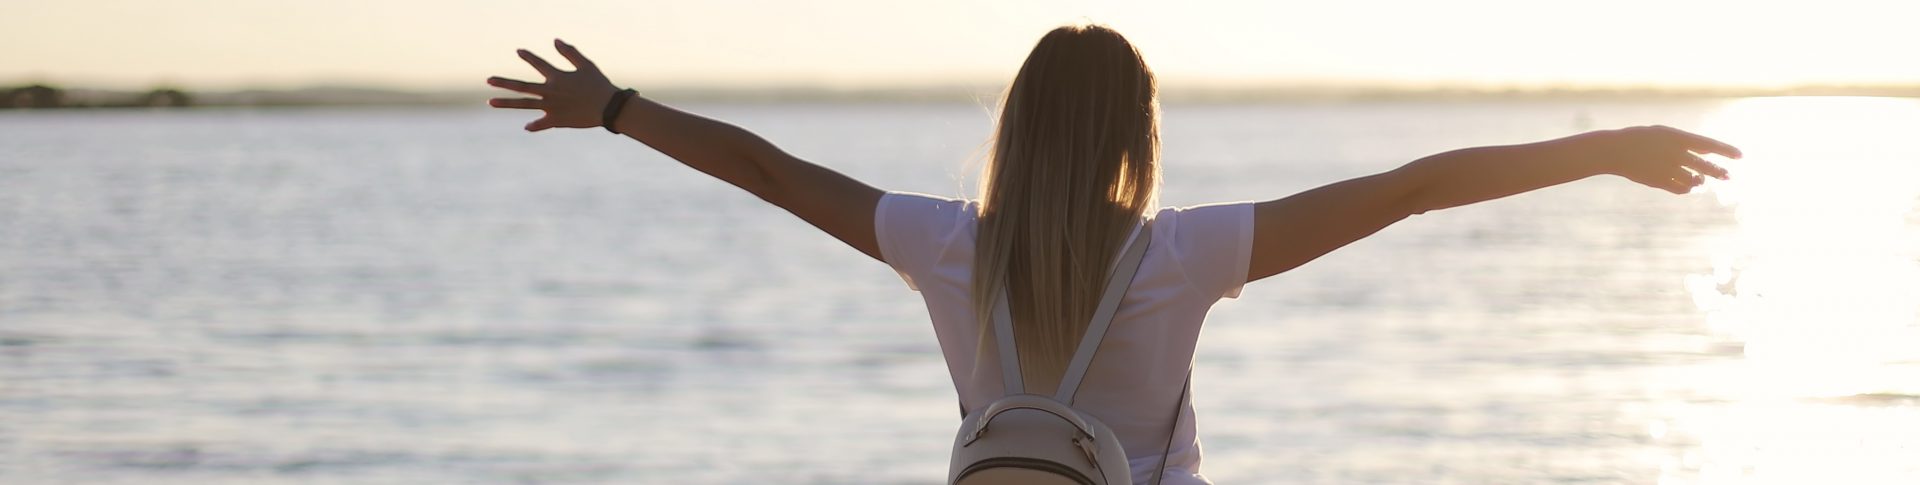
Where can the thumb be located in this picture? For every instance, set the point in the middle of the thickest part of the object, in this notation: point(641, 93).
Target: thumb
point(540, 124)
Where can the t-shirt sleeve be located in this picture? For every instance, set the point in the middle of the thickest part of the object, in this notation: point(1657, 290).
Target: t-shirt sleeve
point(1213, 243)
point(914, 230)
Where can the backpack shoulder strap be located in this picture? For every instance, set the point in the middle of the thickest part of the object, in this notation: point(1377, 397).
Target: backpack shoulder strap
point(1003, 338)
point(1173, 428)
point(1123, 271)
point(1117, 283)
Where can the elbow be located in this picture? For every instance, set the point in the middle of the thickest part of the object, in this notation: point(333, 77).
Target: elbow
point(1416, 197)
point(1418, 206)
point(1412, 202)
point(766, 176)
point(761, 183)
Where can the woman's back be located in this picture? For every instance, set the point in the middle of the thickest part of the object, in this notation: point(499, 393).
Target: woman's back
point(1198, 255)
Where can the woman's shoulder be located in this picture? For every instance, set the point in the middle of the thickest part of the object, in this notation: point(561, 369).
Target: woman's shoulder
point(922, 212)
point(915, 218)
point(916, 231)
point(1212, 244)
point(915, 202)
point(1218, 215)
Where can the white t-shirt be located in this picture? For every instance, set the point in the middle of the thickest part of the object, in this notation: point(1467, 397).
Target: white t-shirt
point(1197, 255)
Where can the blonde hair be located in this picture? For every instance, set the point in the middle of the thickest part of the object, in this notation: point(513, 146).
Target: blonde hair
point(1074, 166)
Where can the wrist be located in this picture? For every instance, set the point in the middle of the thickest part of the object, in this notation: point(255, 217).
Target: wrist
point(616, 102)
point(1587, 152)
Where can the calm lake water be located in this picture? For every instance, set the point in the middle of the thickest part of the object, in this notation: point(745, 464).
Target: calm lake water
point(434, 296)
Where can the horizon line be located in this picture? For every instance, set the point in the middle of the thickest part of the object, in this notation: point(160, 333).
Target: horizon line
point(1303, 84)
point(374, 94)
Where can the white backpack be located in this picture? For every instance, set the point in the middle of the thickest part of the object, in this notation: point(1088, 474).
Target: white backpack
point(1033, 439)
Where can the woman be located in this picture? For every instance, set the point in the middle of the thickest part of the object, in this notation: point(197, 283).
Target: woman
point(1074, 168)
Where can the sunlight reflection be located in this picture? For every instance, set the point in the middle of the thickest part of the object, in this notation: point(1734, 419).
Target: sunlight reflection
point(1819, 283)
point(1819, 280)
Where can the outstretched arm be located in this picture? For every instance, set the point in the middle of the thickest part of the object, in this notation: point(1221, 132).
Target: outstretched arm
point(835, 203)
point(1291, 231)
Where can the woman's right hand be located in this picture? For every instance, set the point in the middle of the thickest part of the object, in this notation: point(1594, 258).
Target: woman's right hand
point(570, 99)
point(1661, 157)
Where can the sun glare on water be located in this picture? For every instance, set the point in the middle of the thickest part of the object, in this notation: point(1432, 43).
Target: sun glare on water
point(1819, 280)
point(1819, 284)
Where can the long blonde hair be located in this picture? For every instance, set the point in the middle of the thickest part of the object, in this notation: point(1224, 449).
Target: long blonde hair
point(1074, 166)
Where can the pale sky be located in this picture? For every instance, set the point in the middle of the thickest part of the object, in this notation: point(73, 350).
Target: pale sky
point(851, 43)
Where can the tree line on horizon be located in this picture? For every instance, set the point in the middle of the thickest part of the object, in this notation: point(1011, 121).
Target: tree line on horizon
point(41, 96)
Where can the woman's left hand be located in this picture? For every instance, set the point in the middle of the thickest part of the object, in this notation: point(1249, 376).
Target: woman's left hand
point(570, 99)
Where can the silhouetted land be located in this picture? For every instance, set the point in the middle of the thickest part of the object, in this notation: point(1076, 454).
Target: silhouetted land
point(40, 96)
point(53, 97)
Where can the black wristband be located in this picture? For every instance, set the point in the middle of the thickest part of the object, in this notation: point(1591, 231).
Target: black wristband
point(613, 109)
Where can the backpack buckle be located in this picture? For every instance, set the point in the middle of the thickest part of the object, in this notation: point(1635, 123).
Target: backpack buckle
point(971, 437)
point(1086, 445)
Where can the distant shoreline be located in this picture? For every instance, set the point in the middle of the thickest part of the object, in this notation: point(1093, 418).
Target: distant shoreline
point(53, 97)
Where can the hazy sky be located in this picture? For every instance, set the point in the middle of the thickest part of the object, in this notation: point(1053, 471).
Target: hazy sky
point(446, 43)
